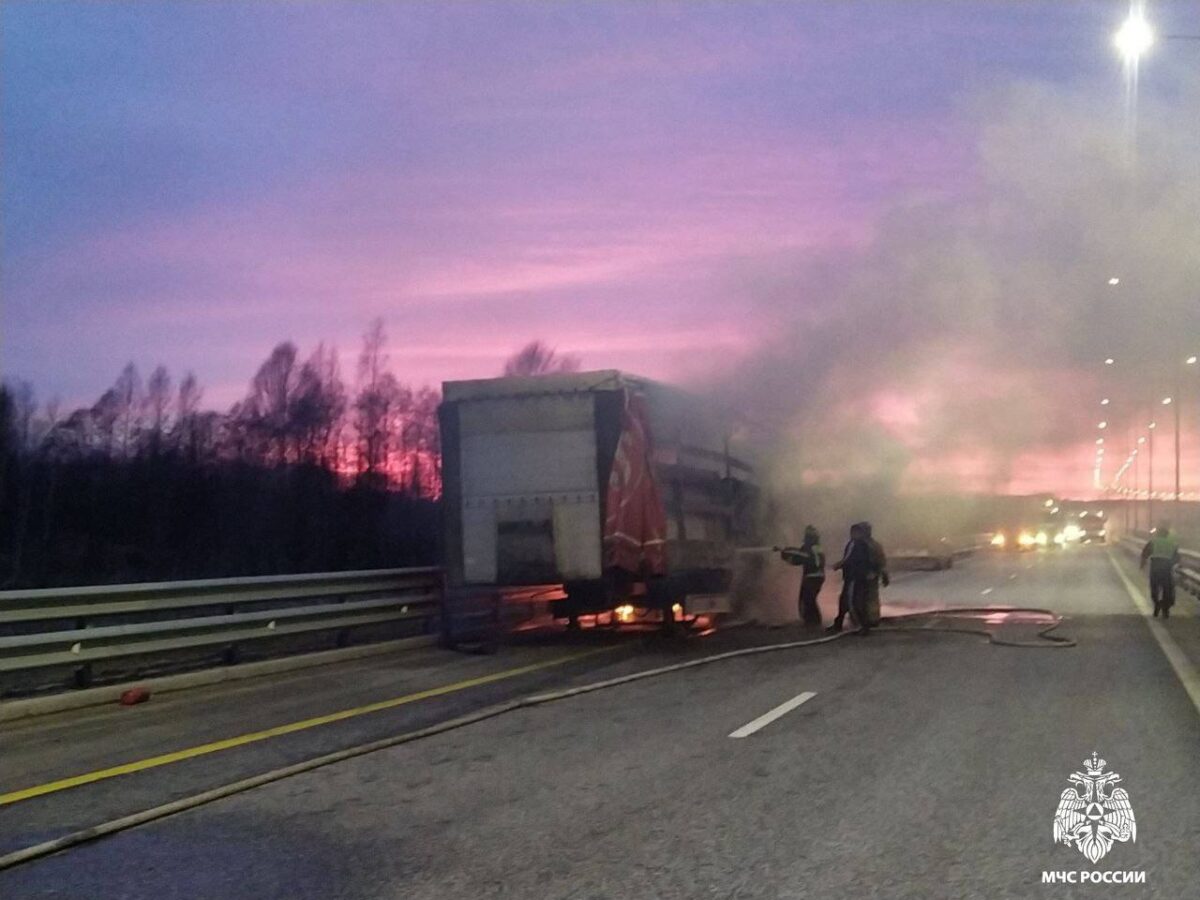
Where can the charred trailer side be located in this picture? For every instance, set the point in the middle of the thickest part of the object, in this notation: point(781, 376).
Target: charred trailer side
point(622, 490)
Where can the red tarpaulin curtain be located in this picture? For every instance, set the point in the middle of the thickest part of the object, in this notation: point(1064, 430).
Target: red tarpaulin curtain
point(635, 523)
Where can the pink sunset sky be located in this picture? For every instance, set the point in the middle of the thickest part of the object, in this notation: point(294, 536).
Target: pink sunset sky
point(718, 194)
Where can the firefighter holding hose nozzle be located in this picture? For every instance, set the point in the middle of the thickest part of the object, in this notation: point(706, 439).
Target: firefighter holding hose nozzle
point(811, 559)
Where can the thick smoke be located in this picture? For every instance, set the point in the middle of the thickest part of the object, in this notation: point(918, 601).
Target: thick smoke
point(969, 340)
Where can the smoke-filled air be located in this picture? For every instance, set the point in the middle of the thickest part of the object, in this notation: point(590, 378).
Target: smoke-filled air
point(965, 348)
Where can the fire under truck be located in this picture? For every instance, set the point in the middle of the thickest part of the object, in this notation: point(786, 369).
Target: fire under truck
point(621, 492)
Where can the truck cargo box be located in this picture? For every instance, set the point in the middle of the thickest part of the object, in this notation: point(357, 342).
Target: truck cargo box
point(528, 469)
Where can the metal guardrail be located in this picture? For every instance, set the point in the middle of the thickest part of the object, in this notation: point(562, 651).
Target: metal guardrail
point(1189, 571)
point(80, 627)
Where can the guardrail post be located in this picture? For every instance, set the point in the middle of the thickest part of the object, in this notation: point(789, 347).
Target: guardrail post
point(83, 676)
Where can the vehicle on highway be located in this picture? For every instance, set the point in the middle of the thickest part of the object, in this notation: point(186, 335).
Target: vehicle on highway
point(623, 491)
point(1093, 527)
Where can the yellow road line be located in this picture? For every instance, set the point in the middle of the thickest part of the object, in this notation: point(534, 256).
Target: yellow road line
point(241, 740)
point(1184, 669)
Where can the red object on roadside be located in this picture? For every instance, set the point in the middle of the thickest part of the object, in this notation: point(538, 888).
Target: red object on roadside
point(134, 696)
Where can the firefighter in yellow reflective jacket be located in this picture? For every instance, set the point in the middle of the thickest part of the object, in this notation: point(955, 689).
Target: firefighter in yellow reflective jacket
point(811, 558)
point(1162, 551)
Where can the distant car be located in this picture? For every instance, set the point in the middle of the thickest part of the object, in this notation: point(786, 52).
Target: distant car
point(1092, 528)
point(1028, 539)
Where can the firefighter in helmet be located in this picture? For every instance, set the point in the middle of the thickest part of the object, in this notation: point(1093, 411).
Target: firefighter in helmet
point(855, 568)
point(877, 572)
point(811, 559)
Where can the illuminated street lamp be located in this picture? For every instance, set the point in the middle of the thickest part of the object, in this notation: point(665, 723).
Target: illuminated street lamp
point(1114, 281)
point(1135, 36)
point(1166, 401)
point(1109, 361)
point(1150, 477)
point(1102, 425)
point(1104, 402)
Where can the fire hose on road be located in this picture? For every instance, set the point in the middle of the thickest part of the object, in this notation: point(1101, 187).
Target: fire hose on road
point(1041, 621)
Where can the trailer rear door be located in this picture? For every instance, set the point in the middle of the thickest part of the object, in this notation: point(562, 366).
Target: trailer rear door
point(530, 500)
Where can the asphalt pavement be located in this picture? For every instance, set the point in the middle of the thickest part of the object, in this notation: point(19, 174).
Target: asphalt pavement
point(909, 763)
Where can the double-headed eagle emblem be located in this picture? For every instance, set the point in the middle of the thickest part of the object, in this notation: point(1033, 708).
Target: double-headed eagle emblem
point(1094, 814)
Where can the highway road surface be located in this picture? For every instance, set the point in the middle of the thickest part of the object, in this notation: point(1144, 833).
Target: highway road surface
point(910, 763)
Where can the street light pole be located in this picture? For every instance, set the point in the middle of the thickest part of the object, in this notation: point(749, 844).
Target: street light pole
point(1137, 489)
point(1190, 361)
point(1150, 481)
point(1124, 470)
point(1177, 405)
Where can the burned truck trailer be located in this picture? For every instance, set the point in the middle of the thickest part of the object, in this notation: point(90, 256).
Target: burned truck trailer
point(623, 491)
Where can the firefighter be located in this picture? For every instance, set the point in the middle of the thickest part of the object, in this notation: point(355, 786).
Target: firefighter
point(1162, 550)
point(855, 567)
point(877, 571)
point(811, 558)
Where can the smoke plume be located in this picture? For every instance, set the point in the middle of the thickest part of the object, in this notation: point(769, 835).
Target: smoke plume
point(964, 350)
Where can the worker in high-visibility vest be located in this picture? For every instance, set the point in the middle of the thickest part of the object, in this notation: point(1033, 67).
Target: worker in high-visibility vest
point(811, 559)
point(1162, 551)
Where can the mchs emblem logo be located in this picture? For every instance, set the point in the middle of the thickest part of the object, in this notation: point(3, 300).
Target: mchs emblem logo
point(1094, 814)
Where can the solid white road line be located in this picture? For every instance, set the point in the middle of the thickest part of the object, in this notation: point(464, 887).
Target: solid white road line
point(767, 718)
point(1179, 661)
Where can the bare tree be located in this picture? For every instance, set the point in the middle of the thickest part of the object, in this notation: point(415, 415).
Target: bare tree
point(187, 405)
point(22, 408)
point(98, 428)
point(316, 407)
point(266, 413)
point(127, 404)
point(376, 403)
point(156, 404)
point(423, 441)
point(538, 358)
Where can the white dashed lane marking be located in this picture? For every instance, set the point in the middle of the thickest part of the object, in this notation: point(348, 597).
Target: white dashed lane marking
point(768, 717)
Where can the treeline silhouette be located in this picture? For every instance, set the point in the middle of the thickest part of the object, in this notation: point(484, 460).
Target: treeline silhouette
point(303, 474)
